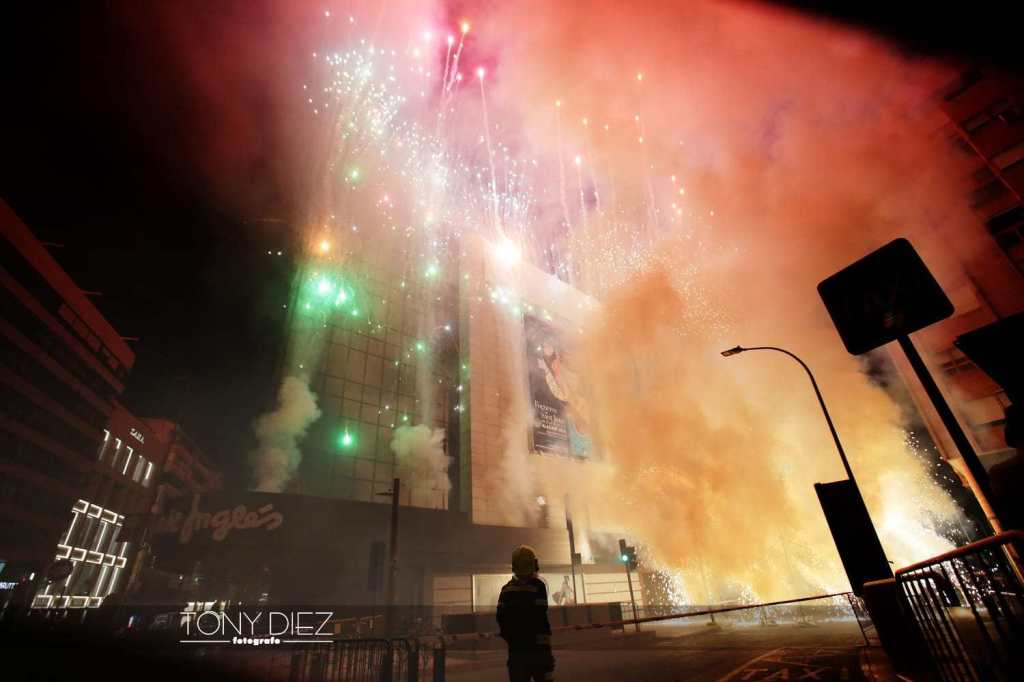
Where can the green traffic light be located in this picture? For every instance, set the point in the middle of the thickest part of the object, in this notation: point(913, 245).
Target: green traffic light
point(625, 558)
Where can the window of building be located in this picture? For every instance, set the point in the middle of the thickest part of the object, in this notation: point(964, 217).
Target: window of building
point(103, 445)
point(1009, 157)
point(117, 452)
point(140, 466)
point(127, 460)
point(953, 362)
point(1008, 230)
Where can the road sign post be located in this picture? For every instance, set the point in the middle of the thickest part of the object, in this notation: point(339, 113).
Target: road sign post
point(392, 585)
point(628, 556)
point(856, 540)
point(981, 485)
point(884, 297)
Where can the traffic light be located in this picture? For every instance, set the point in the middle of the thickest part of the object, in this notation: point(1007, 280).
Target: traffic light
point(627, 555)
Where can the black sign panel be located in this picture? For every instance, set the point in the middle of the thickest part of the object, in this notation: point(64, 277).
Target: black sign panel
point(885, 295)
point(854, 535)
point(996, 349)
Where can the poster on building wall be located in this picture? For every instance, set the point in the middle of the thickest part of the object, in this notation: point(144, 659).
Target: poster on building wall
point(561, 410)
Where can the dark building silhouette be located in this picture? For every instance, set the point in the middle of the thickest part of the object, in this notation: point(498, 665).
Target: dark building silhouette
point(63, 367)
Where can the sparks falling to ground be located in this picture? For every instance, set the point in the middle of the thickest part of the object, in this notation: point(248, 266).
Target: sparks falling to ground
point(696, 170)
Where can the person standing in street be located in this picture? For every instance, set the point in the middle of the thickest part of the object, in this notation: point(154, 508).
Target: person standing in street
point(523, 621)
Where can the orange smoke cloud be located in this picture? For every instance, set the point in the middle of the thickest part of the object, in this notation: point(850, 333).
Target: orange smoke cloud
point(759, 153)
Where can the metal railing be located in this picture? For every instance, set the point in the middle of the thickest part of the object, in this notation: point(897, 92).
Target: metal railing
point(968, 606)
point(802, 610)
point(366, 660)
point(423, 658)
point(357, 626)
point(731, 611)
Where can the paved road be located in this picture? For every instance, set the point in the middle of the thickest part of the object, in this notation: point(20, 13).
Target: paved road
point(826, 652)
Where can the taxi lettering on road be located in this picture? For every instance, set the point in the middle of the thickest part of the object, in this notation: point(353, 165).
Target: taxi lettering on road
point(822, 664)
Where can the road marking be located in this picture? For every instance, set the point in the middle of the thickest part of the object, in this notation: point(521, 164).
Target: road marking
point(750, 662)
point(792, 664)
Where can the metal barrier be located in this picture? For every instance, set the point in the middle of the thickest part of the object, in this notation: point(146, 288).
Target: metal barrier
point(676, 615)
point(358, 626)
point(797, 611)
point(968, 606)
point(423, 659)
point(366, 660)
point(354, 660)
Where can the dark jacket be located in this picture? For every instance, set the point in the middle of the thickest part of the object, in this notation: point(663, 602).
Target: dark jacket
point(523, 615)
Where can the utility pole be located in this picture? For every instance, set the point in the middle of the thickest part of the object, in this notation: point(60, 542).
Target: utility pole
point(389, 599)
point(632, 599)
point(628, 556)
point(978, 476)
point(572, 548)
point(578, 558)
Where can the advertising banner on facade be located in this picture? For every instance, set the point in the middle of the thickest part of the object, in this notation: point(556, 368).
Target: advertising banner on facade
point(561, 411)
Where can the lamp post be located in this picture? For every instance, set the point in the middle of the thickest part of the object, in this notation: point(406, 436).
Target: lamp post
point(852, 530)
point(389, 598)
point(821, 401)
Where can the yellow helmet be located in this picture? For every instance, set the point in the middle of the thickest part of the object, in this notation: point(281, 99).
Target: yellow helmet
point(524, 561)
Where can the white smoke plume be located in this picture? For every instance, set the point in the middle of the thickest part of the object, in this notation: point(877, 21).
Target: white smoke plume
point(279, 433)
point(420, 460)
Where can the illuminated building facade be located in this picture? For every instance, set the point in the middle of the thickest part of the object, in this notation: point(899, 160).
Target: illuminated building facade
point(79, 474)
point(391, 339)
point(986, 122)
point(380, 335)
point(62, 371)
point(115, 498)
point(984, 119)
point(140, 465)
point(183, 469)
point(97, 557)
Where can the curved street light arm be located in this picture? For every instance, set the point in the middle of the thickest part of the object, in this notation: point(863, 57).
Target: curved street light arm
point(821, 401)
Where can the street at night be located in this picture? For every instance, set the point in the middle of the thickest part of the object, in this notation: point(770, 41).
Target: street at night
point(468, 340)
point(699, 653)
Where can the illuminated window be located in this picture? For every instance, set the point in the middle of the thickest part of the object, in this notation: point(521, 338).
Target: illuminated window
point(103, 445)
point(140, 466)
point(117, 452)
point(97, 556)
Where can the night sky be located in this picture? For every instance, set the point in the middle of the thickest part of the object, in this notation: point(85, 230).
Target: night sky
point(157, 151)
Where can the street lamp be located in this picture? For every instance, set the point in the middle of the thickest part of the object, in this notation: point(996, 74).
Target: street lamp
point(856, 539)
point(736, 350)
